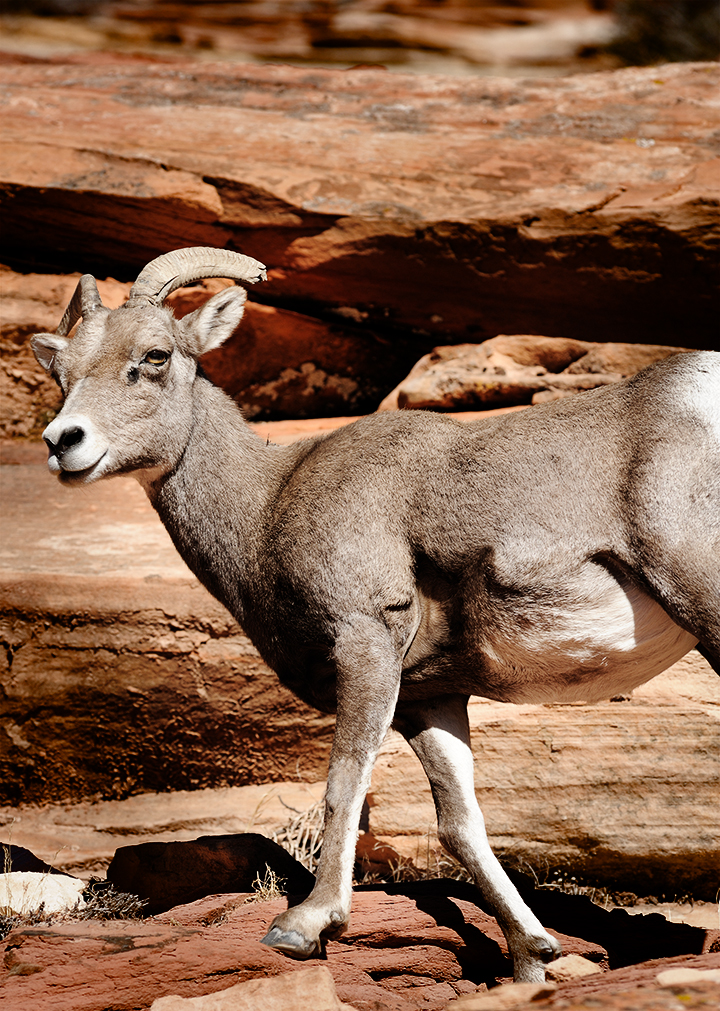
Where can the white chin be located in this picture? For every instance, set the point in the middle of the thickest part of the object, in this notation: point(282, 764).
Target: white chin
point(81, 471)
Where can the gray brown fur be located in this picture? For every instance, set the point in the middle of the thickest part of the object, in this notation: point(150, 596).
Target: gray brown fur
point(390, 569)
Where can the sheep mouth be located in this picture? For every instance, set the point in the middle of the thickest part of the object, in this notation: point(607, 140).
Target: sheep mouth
point(84, 476)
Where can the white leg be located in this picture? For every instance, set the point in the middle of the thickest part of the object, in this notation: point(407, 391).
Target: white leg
point(368, 680)
point(439, 734)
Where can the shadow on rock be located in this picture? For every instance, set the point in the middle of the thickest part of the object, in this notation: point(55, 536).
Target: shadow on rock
point(175, 873)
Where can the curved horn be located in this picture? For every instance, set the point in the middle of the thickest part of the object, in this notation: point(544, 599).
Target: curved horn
point(183, 266)
point(84, 301)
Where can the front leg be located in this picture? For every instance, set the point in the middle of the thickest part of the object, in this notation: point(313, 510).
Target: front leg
point(368, 681)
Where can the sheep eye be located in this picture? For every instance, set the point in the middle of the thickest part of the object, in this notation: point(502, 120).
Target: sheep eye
point(156, 357)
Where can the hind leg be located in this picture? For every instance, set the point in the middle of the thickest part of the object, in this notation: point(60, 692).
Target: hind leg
point(439, 734)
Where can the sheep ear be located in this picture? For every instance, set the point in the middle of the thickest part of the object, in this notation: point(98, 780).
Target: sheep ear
point(212, 323)
point(45, 346)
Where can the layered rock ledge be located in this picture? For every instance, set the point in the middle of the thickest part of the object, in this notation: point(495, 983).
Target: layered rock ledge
point(120, 672)
point(444, 209)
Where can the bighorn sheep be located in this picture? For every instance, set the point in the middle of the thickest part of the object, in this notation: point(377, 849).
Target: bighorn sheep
point(394, 567)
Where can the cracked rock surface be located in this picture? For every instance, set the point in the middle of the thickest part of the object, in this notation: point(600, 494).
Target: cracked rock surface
point(445, 210)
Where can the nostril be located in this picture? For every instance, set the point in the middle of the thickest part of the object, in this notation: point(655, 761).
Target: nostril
point(67, 439)
point(72, 437)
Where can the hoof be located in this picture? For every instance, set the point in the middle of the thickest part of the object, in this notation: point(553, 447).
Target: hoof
point(549, 952)
point(290, 943)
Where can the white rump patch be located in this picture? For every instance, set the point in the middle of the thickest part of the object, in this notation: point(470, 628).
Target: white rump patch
point(699, 389)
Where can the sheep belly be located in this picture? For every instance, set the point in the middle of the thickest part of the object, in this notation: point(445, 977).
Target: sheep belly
point(587, 651)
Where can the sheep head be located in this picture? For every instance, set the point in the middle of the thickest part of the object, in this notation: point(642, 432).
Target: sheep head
point(126, 372)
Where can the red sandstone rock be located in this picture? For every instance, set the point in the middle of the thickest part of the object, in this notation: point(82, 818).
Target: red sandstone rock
point(407, 948)
point(452, 209)
point(517, 369)
point(400, 954)
point(696, 997)
point(569, 967)
point(81, 837)
point(508, 997)
point(635, 988)
point(306, 990)
point(282, 364)
point(408, 32)
point(278, 364)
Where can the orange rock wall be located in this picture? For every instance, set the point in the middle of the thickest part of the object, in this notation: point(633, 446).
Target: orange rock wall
point(442, 209)
point(622, 791)
point(119, 672)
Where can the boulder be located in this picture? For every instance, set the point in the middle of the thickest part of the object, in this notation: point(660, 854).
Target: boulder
point(517, 369)
point(441, 210)
point(175, 873)
point(19, 858)
point(26, 892)
point(622, 792)
point(83, 836)
point(412, 34)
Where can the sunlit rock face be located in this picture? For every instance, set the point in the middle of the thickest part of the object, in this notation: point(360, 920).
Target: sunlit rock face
point(434, 210)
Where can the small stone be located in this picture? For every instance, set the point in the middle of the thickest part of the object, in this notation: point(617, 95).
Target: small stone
point(509, 997)
point(304, 990)
point(686, 977)
point(570, 967)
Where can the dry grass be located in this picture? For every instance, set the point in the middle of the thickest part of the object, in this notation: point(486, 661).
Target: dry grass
point(302, 837)
point(269, 887)
point(101, 902)
point(602, 895)
point(106, 904)
point(438, 865)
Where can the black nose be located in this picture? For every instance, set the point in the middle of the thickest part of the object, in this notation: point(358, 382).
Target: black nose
point(69, 438)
